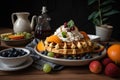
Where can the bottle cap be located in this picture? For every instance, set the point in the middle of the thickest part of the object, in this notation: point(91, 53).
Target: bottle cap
point(44, 10)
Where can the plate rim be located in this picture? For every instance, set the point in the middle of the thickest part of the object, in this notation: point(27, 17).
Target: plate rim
point(95, 39)
point(67, 60)
point(24, 65)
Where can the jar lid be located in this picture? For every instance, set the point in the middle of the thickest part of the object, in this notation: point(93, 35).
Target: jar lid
point(44, 9)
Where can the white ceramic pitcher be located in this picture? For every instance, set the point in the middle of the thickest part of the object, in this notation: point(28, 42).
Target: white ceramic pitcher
point(22, 23)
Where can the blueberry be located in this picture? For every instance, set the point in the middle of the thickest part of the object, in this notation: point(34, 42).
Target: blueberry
point(99, 53)
point(86, 56)
point(23, 53)
point(78, 57)
point(70, 57)
point(45, 52)
point(36, 41)
point(10, 55)
point(65, 57)
point(83, 57)
point(13, 49)
point(4, 54)
point(19, 53)
point(75, 58)
point(21, 50)
point(89, 56)
point(107, 45)
point(15, 54)
point(42, 52)
point(58, 56)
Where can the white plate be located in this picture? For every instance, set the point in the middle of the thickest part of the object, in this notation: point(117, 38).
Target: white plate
point(94, 37)
point(67, 62)
point(22, 66)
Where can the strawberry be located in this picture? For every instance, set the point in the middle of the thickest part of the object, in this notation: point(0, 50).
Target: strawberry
point(106, 61)
point(112, 70)
point(65, 24)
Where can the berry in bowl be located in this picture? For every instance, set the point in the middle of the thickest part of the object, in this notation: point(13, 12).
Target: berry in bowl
point(12, 57)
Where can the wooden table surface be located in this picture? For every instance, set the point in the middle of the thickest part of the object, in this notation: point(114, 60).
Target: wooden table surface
point(68, 72)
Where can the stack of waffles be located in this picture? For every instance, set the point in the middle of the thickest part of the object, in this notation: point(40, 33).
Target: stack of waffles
point(67, 39)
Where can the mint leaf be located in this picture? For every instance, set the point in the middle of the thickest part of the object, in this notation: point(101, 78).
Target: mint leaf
point(90, 2)
point(70, 23)
point(64, 34)
point(111, 13)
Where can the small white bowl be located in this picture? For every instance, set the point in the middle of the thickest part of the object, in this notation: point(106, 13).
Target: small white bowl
point(14, 61)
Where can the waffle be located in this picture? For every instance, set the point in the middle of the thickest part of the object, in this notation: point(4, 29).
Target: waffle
point(71, 48)
point(68, 40)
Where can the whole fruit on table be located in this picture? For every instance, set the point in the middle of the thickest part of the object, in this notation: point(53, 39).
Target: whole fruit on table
point(114, 53)
point(47, 68)
point(106, 61)
point(112, 70)
point(95, 66)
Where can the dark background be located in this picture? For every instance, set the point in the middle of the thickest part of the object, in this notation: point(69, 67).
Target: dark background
point(59, 11)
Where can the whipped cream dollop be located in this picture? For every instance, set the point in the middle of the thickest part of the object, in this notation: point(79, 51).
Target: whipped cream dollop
point(73, 35)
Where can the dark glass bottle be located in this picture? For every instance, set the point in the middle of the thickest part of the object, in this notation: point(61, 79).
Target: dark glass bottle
point(43, 28)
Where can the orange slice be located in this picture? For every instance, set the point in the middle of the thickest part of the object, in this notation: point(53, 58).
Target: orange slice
point(16, 37)
point(100, 48)
point(40, 46)
point(53, 38)
point(84, 34)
